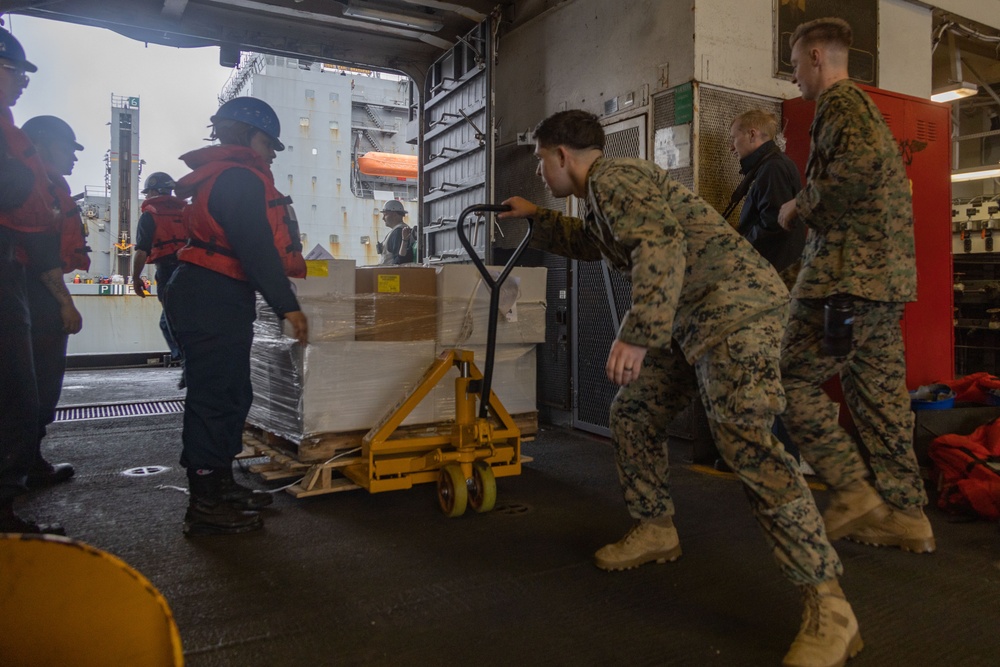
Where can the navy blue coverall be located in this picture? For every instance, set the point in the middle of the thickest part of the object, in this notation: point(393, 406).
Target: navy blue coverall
point(19, 403)
point(144, 233)
point(212, 317)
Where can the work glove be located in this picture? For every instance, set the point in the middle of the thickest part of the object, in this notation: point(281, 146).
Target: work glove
point(379, 247)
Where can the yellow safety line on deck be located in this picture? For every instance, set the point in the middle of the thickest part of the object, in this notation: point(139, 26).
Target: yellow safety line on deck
point(705, 470)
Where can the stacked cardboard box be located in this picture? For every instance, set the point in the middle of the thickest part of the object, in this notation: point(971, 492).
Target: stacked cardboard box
point(374, 332)
point(396, 303)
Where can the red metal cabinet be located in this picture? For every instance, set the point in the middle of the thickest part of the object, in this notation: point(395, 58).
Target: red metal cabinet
point(922, 129)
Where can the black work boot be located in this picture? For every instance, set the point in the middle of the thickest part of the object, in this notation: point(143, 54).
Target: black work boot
point(240, 496)
point(10, 522)
point(45, 474)
point(208, 513)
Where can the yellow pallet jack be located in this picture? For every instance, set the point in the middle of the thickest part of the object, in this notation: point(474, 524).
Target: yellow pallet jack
point(481, 446)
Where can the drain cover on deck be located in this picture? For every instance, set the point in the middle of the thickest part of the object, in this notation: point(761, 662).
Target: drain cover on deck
point(512, 508)
point(148, 408)
point(145, 471)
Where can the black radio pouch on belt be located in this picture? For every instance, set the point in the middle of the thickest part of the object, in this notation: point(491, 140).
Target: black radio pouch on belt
point(838, 325)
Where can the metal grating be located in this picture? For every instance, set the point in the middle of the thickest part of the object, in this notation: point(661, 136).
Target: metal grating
point(623, 143)
point(117, 411)
point(601, 298)
point(597, 328)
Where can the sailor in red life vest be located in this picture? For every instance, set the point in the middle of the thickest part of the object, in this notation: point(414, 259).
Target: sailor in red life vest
point(159, 234)
point(242, 240)
point(28, 219)
point(56, 145)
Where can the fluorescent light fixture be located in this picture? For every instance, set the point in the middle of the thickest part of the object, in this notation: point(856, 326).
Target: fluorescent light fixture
point(975, 173)
point(954, 91)
point(371, 12)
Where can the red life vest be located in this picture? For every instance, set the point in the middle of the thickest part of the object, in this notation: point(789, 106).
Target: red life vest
point(207, 244)
point(73, 249)
point(969, 467)
point(169, 234)
point(41, 210)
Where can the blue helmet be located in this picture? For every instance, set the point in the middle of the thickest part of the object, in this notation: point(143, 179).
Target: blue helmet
point(41, 128)
point(255, 113)
point(11, 49)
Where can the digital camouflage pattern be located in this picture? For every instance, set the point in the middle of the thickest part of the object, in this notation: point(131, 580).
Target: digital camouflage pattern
point(856, 203)
point(700, 288)
point(739, 385)
point(694, 278)
point(873, 377)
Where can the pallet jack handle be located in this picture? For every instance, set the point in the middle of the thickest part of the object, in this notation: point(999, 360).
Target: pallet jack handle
point(494, 285)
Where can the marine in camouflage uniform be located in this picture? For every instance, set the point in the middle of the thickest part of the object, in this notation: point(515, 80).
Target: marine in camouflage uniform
point(710, 311)
point(857, 205)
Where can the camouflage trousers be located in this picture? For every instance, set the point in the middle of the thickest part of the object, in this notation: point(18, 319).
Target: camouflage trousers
point(873, 378)
point(740, 387)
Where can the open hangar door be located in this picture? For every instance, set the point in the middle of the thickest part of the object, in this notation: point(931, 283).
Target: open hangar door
point(446, 47)
point(456, 146)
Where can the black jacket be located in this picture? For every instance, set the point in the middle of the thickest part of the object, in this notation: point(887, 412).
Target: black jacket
point(777, 181)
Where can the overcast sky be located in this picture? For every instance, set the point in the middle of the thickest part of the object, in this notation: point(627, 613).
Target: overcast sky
point(79, 68)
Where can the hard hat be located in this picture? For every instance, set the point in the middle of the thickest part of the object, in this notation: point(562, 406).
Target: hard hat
point(11, 49)
point(42, 128)
point(394, 206)
point(160, 182)
point(255, 113)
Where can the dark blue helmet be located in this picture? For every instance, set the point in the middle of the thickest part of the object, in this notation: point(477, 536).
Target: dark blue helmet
point(11, 49)
point(159, 182)
point(255, 113)
point(42, 128)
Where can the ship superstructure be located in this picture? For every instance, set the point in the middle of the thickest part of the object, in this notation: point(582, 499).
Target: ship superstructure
point(330, 116)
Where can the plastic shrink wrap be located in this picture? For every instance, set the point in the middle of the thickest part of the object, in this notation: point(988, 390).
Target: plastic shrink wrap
point(374, 332)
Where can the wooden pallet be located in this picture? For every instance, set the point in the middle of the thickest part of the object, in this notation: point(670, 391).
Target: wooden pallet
point(326, 454)
point(314, 478)
point(320, 447)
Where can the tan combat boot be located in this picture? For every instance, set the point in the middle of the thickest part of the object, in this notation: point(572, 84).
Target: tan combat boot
point(645, 542)
point(853, 506)
point(907, 529)
point(829, 634)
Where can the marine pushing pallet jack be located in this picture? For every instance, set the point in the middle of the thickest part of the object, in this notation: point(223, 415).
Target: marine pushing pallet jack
point(466, 461)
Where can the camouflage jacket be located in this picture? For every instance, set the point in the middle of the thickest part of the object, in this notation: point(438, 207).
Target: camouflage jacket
point(856, 203)
point(694, 278)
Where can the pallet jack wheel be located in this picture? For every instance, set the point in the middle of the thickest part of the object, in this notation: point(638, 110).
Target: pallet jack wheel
point(453, 494)
point(482, 487)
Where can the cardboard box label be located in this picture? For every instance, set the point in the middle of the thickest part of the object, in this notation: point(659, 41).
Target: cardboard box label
point(388, 283)
point(317, 268)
